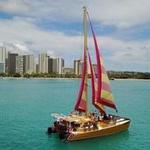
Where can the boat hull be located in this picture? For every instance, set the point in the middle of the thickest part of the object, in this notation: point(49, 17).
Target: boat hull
point(124, 125)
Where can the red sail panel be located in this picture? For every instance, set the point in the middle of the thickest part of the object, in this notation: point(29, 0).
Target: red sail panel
point(99, 106)
point(105, 95)
point(81, 104)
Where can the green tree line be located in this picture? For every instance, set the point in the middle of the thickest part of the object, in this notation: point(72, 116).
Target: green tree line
point(111, 75)
point(39, 75)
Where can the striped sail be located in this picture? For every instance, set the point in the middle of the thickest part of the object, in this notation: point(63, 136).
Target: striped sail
point(105, 90)
point(104, 96)
point(98, 105)
point(81, 104)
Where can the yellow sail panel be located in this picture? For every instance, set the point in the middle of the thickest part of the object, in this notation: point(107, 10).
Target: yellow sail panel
point(105, 78)
point(96, 103)
point(83, 97)
point(106, 93)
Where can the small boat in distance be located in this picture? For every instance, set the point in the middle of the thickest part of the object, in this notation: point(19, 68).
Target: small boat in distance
point(82, 124)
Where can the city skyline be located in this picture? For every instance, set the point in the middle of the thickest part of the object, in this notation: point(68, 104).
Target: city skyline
point(122, 30)
point(12, 62)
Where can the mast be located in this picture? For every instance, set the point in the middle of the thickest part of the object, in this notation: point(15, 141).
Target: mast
point(82, 100)
point(85, 30)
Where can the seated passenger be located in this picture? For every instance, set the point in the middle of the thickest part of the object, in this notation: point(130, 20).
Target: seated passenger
point(106, 117)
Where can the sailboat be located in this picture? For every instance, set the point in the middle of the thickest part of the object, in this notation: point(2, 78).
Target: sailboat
point(81, 123)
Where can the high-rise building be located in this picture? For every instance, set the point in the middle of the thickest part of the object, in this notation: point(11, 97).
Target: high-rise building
point(43, 63)
point(29, 64)
point(3, 54)
point(2, 67)
point(37, 68)
point(58, 65)
point(78, 67)
point(3, 57)
point(12, 63)
point(50, 65)
point(19, 64)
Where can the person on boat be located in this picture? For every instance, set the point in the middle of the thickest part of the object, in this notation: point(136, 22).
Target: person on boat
point(106, 117)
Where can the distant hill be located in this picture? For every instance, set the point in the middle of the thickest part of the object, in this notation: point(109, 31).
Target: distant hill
point(128, 75)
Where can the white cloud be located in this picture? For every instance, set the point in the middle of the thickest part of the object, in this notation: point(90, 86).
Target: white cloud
point(70, 46)
point(22, 30)
point(126, 55)
point(122, 14)
point(26, 33)
point(127, 51)
point(14, 6)
point(15, 48)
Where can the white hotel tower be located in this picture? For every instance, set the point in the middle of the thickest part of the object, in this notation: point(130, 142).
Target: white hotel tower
point(29, 65)
point(43, 63)
point(3, 57)
point(58, 65)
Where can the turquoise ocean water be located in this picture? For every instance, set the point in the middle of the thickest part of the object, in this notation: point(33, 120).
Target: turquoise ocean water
point(26, 105)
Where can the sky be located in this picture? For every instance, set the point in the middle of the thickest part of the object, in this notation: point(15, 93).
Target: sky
point(55, 26)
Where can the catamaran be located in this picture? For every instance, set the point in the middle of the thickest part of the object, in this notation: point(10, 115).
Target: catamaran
point(81, 123)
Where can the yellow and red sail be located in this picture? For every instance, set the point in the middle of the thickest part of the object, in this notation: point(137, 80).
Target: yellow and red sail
point(104, 96)
point(81, 104)
point(95, 93)
point(101, 91)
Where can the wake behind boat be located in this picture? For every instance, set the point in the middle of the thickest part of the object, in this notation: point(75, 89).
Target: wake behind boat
point(82, 124)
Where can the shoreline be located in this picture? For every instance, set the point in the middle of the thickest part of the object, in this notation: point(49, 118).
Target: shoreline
point(37, 78)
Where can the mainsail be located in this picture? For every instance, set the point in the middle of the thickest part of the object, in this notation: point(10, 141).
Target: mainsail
point(81, 104)
point(104, 96)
